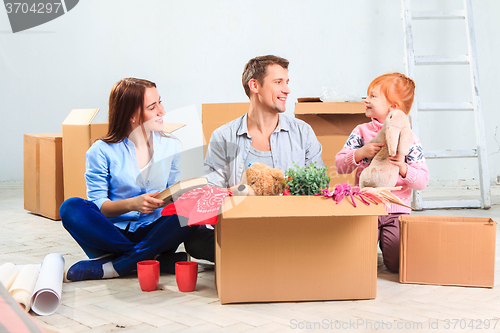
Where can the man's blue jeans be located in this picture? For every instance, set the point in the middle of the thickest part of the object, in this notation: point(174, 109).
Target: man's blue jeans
point(98, 236)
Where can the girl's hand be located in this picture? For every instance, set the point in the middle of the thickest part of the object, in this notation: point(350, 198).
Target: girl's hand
point(146, 203)
point(367, 151)
point(399, 161)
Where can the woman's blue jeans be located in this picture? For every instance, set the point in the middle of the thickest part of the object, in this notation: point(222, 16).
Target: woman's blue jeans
point(98, 236)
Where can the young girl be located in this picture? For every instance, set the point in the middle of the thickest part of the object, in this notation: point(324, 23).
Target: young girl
point(120, 223)
point(386, 93)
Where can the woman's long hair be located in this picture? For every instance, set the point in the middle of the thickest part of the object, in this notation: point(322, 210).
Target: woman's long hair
point(125, 99)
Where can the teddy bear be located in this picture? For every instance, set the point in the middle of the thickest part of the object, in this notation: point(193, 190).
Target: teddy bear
point(397, 136)
point(260, 179)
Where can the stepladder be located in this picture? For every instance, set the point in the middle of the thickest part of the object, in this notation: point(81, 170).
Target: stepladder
point(474, 105)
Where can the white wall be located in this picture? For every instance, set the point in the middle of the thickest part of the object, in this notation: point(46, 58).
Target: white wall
point(195, 52)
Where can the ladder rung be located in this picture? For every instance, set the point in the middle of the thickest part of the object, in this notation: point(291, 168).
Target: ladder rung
point(442, 60)
point(451, 204)
point(465, 106)
point(450, 153)
point(439, 15)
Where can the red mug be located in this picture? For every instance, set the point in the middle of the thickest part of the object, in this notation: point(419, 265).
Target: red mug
point(186, 274)
point(148, 272)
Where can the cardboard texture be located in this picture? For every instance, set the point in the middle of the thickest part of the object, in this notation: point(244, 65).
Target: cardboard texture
point(43, 174)
point(447, 250)
point(79, 133)
point(216, 115)
point(332, 123)
point(295, 248)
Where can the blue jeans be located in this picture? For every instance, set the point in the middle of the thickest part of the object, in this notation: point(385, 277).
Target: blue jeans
point(97, 236)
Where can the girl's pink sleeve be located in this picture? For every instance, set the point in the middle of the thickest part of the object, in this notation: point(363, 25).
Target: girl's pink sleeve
point(345, 162)
point(417, 175)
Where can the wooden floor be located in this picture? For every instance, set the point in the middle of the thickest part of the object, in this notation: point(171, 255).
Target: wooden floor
point(118, 305)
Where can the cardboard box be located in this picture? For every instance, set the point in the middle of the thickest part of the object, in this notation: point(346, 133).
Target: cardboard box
point(216, 115)
point(79, 133)
point(295, 248)
point(447, 250)
point(43, 174)
point(332, 123)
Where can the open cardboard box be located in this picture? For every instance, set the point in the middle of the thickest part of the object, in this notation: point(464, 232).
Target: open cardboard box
point(79, 133)
point(43, 174)
point(295, 248)
point(447, 250)
point(332, 123)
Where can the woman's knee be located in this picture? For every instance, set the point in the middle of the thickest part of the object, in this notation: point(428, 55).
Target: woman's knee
point(69, 209)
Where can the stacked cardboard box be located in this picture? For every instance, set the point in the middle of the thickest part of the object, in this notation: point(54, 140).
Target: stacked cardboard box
point(332, 123)
point(79, 133)
point(43, 174)
point(216, 115)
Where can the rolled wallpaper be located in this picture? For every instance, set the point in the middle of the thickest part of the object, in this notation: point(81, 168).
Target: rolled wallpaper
point(8, 273)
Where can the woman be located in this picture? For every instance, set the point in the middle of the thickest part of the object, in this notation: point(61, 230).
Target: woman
point(120, 223)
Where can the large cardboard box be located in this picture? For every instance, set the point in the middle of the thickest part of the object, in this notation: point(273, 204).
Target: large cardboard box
point(216, 115)
point(295, 248)
point(332, 123)
point(79, 133)
point(447, 250)
point(43, 174)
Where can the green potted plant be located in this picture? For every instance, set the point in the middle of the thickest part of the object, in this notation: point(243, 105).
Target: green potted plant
point(306, 180)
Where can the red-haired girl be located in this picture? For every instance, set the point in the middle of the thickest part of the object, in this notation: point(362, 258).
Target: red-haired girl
point(386, 93)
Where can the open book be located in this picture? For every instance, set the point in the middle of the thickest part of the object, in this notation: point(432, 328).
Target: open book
point(176, 190)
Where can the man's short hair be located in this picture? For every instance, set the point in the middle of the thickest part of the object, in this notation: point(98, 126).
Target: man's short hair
point(256, 68)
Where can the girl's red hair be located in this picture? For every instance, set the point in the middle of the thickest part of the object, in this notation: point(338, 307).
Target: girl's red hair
point(397, 88)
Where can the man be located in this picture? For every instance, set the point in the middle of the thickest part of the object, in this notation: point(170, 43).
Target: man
point(264, 134)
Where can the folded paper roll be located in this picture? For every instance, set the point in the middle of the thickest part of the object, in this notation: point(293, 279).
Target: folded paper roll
point(8, 273)
point(47, 293)
point(23, 286)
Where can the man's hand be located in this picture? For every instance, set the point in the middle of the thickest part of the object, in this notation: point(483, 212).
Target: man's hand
point(146, 203)
point(399, 161)
point(367, 151)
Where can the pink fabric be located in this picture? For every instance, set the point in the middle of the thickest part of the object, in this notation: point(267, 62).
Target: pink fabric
point(200, 205)
point(417, 175)
point(12, 316)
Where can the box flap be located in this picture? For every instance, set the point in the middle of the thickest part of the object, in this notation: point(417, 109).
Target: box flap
point(330, 108)
point(44, 135)
point(295, 205)
point(172, 127)
point(449, 219)
point(80, 116)
point(309, 99)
